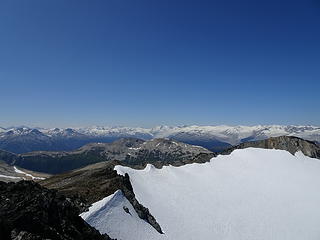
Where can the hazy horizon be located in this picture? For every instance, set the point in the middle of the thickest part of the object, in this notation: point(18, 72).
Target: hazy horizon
point(151, 126)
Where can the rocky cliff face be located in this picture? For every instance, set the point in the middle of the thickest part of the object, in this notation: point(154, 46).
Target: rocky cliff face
point(290, 144)
point(133, 152)
point(31, 212)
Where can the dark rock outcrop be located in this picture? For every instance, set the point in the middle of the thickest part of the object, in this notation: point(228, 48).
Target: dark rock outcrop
point(142, 211)
point(30, 211)
point(288, 143)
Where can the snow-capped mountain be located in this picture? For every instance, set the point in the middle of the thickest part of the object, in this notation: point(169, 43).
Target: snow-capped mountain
point(62, 132)
point(215, 138)
point(224, 133)
point(23, 140)
point(143, 133)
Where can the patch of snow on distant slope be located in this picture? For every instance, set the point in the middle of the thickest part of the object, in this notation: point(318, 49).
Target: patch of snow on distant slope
point(109, 216)
point(26, 174)
point(250, 194)
point(11, 177)
point(132, 148)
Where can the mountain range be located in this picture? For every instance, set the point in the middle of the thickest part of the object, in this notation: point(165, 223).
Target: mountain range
point(214, 138)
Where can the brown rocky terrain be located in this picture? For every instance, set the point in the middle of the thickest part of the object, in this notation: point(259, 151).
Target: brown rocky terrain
point(288, 143)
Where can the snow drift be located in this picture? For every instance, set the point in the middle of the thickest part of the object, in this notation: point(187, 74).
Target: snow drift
point(249, 194)
point(116, 216)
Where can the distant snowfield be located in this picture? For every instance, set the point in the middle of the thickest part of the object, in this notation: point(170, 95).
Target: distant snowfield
point(251, 194)
point(27, 174)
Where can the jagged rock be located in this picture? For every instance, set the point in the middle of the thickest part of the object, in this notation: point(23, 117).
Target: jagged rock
point(126, 209)
point(29, 211)
point(142, 211)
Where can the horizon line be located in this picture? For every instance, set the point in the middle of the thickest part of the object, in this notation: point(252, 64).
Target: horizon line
point(156, 126)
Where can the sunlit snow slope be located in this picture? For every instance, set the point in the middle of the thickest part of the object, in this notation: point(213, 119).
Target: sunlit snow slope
point(252, 194)
point(108, 216)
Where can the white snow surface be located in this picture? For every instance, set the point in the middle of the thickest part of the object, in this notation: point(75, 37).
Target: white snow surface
point(251, 194)
point(108, 216)
point(26, 174)
point(11, 177)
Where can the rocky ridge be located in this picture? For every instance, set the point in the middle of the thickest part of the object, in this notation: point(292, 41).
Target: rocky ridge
point(288, 143)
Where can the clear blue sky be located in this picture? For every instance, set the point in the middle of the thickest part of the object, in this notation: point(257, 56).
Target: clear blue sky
point(150, 62)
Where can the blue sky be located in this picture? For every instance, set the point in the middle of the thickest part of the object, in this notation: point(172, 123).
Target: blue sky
point(151, 62)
